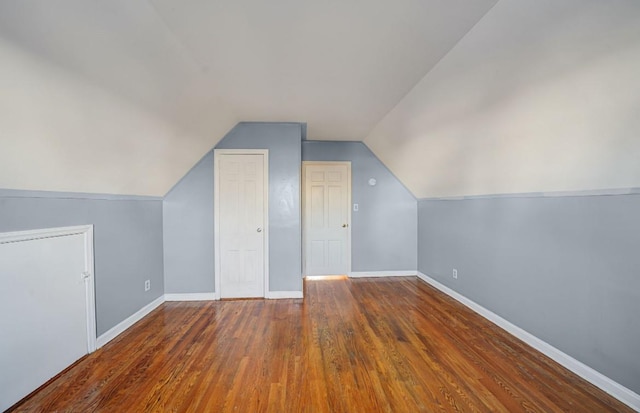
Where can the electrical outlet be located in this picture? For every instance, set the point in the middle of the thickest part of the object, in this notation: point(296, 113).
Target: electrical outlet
point(147, 285)
point(455, 273)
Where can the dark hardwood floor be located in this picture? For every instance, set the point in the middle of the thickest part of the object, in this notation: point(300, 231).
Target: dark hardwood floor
point(352, 345)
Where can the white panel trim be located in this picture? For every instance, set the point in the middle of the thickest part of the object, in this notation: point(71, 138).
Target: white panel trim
point(365, 274)
point(191, 297)
point(216, 211)
point(17, 236)
point(596, 378)
point(551, 194)
point(274, 295)
point(21, 193)
point(87, 232)
point(90, 290)
point(129, 321)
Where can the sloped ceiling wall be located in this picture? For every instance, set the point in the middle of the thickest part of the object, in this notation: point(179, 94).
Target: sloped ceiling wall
point(60, 133)
point(539, 96)
point(98, 97)
point(125, 96)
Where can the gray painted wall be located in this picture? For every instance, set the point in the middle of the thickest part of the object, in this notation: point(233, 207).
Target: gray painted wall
point(283, 140)
point(127, 243)
point(188, 232)
point(565, 269)
point(188, 212)
point(384, 230)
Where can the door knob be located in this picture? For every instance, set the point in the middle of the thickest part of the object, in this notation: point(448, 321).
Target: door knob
point(345, 225)
point(259, 230)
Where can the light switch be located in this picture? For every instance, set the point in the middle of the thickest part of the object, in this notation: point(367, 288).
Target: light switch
point(355, 207)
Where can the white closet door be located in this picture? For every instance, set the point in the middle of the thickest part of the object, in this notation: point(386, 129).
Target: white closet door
point(326, 219)
point(43, 313)
point(242, 226)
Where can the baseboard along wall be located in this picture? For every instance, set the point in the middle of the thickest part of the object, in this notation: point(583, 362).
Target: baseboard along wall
point(192, 297)
point(128, 322)
point(140, 314)
point(275, 295)
point(596, 378)
point(368, 274)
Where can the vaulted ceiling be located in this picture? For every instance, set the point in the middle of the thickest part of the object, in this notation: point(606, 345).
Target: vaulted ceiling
point(124, 96)
point(540, 96)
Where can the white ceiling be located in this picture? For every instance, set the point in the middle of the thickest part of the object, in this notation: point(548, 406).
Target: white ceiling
point(337, 65)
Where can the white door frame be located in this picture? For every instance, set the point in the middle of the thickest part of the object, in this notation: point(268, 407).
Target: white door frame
point(88, 275)
point(303, 197)
point(217, 153)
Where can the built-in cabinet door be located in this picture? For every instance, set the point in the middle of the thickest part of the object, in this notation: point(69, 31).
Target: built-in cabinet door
point(326, 218)
point(241, 225)
point(43, 302)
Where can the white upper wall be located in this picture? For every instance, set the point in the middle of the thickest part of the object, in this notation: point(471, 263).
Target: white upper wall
point(60, 133)
point(124, 96)
point(540, 95)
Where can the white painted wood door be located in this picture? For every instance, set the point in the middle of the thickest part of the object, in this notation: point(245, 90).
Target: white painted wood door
point(326, 218)
point(241, 224)
point(43, 311)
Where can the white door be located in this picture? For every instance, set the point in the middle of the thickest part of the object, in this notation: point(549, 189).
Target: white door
point(326, 218)
point(240, 220)
point(43, 311)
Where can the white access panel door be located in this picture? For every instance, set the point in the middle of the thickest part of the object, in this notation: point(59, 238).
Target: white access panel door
point(326, 218)
point(43, 312)
point(241, 225)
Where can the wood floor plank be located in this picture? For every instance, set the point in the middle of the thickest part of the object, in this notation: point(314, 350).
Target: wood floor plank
point(352, 345)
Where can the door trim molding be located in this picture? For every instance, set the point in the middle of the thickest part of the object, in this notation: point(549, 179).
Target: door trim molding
point(90, 297)
point(217, 153)
point(303, 209)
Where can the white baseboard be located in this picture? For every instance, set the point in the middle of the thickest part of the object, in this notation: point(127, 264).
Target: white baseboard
point(191, 297)
point(138, 315)
point(214, 296)
point(274, 295)
point(596, 378)
point(365, 274)
point(131, 320)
